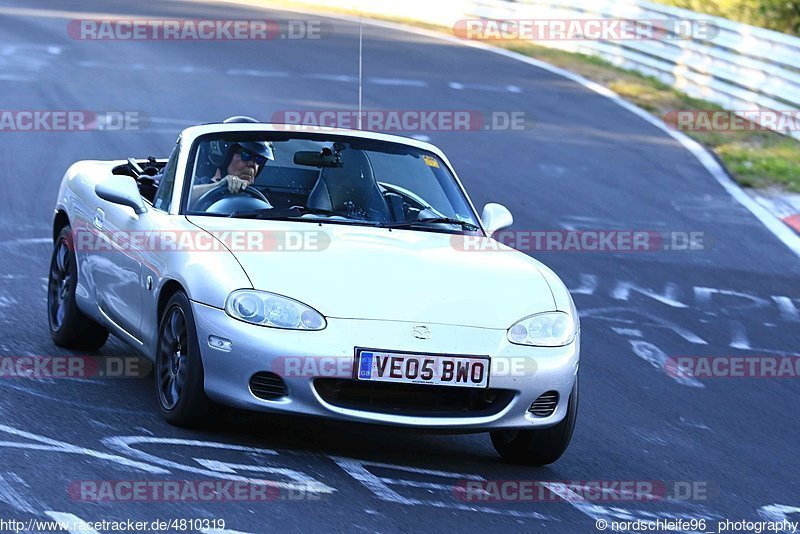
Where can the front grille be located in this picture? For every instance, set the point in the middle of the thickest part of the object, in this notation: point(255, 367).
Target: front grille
point(268, 386)
point(545, 405)
point(412, 399)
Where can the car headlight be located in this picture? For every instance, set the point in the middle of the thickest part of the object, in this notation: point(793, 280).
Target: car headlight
point(550, 329)
point(268, 309)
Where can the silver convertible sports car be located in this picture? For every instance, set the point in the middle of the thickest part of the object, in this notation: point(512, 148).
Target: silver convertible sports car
point(333, 273)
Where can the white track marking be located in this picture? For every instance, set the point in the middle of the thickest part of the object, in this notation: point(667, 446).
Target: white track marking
point(739, 339)
point(704, 295)
point(777, 512)
point(258, 73)
point(71, 520)
point(380, 487)
point(331, 77)
point(632, 332)
point(399, 82)
point(689, 424)
point(11, 496)
point(460, 86)
point(616, 315)
point(610, 513)
point(45, 443)
point(301, 482)
point(7, 301)
point(658, 359)
point(166, 120)
point(669, 297)
point(588, 285)
point(125, 445)
point(787, 308)
point(28, 241)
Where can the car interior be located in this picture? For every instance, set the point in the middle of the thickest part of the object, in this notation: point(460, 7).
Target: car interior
point(343, 182)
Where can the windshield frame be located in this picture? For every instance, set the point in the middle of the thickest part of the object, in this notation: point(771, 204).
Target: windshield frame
point(271, 135)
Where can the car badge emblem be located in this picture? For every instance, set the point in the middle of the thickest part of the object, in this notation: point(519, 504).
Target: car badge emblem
point(420, 332)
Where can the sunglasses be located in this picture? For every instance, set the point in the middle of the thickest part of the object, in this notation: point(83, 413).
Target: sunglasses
point(247, 156)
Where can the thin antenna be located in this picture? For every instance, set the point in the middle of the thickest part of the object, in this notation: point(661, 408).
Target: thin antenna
point(360, 43)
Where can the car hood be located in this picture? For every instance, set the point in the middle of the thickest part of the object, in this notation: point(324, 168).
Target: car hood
point(358, 272)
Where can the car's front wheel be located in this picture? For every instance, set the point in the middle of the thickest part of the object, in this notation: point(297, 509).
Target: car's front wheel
point(69, 327)
point(179, 369)
point(538, 446)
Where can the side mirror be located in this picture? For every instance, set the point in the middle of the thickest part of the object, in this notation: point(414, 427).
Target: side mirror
point(121, 190)
point(496, 217)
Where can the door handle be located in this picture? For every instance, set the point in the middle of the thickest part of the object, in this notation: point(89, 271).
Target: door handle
point(99, 218)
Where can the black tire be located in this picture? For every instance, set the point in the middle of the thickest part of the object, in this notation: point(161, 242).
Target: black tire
point(539, 446)
point(69, 327)
point(179, 379)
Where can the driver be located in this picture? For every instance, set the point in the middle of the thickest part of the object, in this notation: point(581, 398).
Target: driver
point(238, 164)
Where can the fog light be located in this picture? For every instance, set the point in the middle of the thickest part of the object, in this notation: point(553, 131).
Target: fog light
point(220, 343)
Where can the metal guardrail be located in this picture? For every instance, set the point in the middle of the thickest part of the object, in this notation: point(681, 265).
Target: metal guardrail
point(740, 67)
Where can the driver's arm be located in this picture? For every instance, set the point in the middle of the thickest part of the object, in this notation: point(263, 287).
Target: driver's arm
point(234, 183)
point(201, 189)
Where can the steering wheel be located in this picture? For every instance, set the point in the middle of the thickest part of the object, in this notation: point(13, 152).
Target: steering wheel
point(208, 198)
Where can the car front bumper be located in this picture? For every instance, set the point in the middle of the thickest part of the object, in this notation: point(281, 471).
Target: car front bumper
point(523, 373)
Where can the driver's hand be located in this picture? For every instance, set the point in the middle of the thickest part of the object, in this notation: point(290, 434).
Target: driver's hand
point(235, 184)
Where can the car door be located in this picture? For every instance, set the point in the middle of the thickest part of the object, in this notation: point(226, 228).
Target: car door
point(156, 259)
point(116, 263)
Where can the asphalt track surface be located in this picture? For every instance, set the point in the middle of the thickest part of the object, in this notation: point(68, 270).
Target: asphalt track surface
point(582, 163)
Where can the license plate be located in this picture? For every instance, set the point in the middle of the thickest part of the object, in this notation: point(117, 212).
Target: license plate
point(442, 370)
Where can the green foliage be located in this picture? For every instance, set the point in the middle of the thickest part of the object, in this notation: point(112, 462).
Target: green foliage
point(778, 15)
